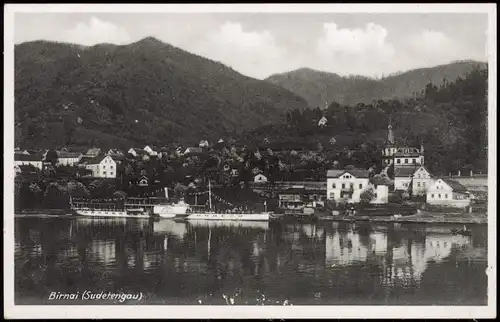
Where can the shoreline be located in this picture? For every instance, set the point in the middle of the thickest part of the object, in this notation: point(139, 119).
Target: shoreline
point(423, 218)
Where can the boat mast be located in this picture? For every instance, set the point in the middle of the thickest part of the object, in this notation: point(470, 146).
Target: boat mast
point(209, 195)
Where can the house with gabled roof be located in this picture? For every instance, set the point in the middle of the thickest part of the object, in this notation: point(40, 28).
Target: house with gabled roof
point(322, 121)
point(68, 158)
point(149, 150)
point(136, 152)
point(403, 177)
point(446, 192)
point(93, 152)
point(346, 184)
point(28, 159)
point(102, 166)
point(422, 180)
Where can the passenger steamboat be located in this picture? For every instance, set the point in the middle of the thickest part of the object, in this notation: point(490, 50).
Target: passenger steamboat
point(224, 215)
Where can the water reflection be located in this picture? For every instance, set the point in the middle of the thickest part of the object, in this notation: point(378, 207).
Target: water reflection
point(202, 261)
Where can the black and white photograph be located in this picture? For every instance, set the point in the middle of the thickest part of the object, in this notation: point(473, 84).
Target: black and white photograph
point(272, 160)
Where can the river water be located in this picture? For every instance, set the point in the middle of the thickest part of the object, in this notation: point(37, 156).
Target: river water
point(328, 263)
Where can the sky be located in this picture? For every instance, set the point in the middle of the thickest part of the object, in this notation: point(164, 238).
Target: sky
point(261, 44)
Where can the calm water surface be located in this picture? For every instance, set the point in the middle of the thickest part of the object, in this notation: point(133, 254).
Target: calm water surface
point(252, 263)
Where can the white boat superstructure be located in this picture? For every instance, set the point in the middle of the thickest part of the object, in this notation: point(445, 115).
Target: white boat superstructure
point(103, 211)
point(171, 210)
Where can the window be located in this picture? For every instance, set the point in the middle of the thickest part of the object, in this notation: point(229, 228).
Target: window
point(334, 185)
point(332, 195)
point(111, 167)
point(446, 196)
point(432, 196)
point(439, 196)
point(418, 184)
point(360, 186)
point(343, 185)
point(104, 167)
point(414, 161)
point(398, 161)
point(111, 173)
point(406, 160)
point(104, 173)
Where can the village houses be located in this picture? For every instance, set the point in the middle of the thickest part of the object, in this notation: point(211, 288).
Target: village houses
point(101, 166)
point(445, 192)
point(400, 156)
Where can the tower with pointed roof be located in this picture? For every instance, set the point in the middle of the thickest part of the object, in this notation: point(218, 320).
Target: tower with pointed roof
point(389, 147)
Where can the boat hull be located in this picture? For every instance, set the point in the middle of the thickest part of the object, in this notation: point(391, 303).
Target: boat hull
point(109, 214)
point(235, 216)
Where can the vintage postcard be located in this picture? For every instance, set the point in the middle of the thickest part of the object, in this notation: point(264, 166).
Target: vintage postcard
point(250, 161)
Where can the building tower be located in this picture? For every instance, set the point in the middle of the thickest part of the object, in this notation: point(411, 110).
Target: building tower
point(389, 148)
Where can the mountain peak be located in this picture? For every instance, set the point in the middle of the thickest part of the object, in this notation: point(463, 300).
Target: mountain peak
point(150, 40)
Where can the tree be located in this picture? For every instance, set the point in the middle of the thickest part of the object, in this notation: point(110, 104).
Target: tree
point(367, 196)
point(51, 157)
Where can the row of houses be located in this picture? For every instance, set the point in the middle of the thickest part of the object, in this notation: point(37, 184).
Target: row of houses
point(350, 184)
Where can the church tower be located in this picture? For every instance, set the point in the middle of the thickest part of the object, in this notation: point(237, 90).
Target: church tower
point(389, 147)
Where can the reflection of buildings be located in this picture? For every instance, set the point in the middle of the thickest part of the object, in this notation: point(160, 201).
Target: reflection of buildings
point(402, 261)
point(347, 248)
point(410, 260)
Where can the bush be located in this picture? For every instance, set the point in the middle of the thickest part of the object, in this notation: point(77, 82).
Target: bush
point(367, 196)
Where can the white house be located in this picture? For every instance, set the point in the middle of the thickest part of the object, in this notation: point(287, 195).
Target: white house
point(203, 144)
point(403, 178)
point(446, 192)
point(346, 184)
point(322, 121)
point(150, 151)
point(260, 178)
point(422, 179)
point(68, 158)
point(27, 159)
point(102, 167)
point(381, 189)
point(143, 181)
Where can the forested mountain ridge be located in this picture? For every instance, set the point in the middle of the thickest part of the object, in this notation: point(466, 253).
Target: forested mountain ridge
point(322, 88)
point(148, 92)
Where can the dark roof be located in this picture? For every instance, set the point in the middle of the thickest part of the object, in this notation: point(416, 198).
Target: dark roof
point(380, 182)
point(294, 191)
point(97, 159)
point(358, 173)
point(412, 152)
point(27, 157)
point(64, 154)
point(93, 151)
point(404, 171)
point(455, 185)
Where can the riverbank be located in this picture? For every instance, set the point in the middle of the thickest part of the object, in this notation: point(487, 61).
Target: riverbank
point(422, 217)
